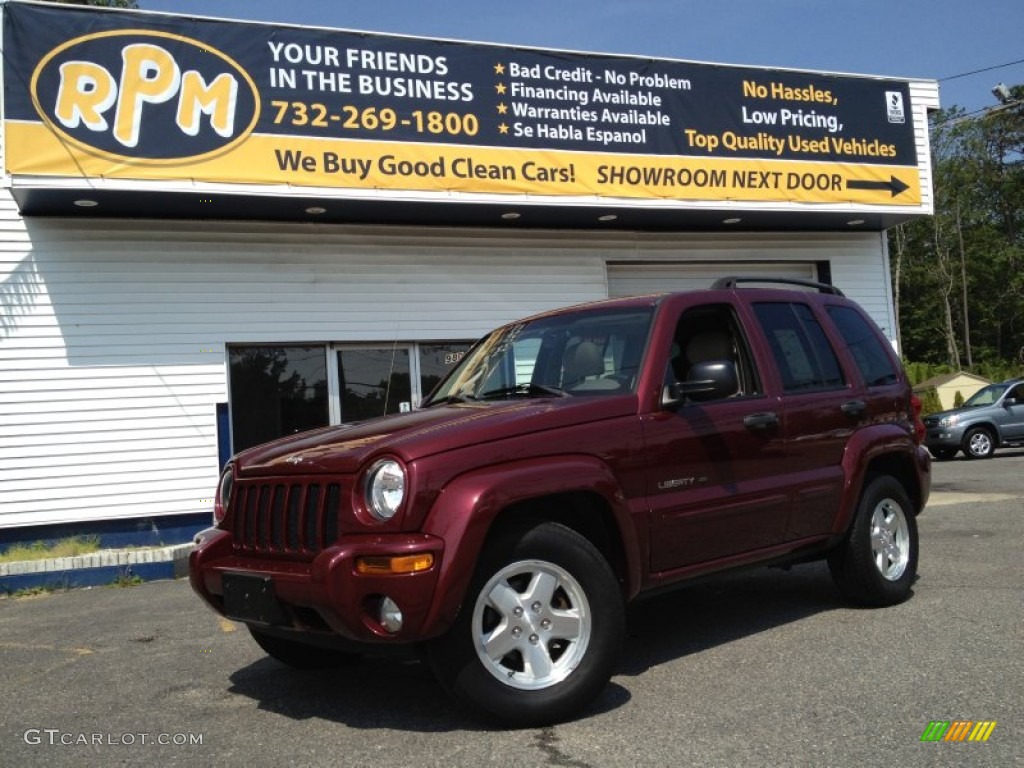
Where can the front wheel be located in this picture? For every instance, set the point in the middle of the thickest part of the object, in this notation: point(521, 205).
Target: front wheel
point(979, 443)
point(943, 454)
point(540, 631)
point(877, 563)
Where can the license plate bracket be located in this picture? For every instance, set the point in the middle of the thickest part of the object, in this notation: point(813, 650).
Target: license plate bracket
point(252, 599)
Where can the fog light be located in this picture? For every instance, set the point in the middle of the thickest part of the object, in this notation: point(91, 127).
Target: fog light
point(390, 615)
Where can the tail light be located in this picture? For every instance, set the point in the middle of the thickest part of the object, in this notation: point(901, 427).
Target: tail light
point(919, 428)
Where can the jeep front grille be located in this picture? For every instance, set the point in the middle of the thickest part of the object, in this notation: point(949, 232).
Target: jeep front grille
point(294, 518)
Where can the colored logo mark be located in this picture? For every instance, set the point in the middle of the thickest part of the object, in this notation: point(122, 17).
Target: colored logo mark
point(145, 96)
point(958, 730)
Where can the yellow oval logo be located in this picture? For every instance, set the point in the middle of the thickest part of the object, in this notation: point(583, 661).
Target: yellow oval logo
point(145, 97)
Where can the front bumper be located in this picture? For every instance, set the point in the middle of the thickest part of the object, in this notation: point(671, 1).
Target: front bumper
point(944, 437)
point(326, 595)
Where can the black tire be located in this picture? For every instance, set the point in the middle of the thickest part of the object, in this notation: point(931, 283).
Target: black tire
point(877, 563)
point(301, 655)
point(548, 617)
point(944, 454)
point(979, 443)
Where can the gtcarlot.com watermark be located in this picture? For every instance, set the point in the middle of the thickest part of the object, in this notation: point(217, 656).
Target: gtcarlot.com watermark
point(59, 738)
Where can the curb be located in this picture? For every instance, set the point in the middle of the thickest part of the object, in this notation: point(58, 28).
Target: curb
point(97, 569)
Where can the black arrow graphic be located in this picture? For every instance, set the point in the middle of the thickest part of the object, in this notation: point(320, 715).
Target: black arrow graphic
point(894, 185)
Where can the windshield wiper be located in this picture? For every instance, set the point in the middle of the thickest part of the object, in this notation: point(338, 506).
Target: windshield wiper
point(529, 390)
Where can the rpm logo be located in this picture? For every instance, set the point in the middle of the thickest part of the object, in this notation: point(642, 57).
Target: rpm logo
point(145, 97)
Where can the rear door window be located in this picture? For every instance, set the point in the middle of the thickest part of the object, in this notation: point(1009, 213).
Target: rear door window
point(803, 355)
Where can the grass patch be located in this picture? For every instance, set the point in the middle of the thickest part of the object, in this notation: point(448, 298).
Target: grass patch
point(69, 547)
point(19, 594)
point(126, 581)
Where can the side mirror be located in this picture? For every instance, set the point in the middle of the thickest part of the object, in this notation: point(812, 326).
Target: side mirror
point(1010, 401)
point(704, 381)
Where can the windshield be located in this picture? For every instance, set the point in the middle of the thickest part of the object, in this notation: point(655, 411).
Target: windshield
point(987, 396)
point(590, 352)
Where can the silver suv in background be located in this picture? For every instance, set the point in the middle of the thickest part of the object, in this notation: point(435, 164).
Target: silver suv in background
point(991, 418)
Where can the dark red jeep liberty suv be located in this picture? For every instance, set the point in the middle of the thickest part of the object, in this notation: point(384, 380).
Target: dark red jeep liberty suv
point(570, 462)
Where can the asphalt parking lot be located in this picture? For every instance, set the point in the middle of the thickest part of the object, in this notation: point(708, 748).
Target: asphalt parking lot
point(763, 668)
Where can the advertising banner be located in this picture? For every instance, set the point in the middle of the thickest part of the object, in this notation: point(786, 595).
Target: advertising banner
point(138, 96)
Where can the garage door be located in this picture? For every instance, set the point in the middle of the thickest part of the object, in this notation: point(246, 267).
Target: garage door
point(636, 279)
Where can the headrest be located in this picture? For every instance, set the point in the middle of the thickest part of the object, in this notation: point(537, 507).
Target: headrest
point(709, 345)
point(585, 360)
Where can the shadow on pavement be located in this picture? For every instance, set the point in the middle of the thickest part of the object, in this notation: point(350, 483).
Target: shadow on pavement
point(404, 695)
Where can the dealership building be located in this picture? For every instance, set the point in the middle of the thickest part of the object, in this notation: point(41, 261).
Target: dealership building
point(214, 233)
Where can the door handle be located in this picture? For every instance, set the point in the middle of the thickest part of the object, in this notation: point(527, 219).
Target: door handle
point(761, 421)
point(853, 408)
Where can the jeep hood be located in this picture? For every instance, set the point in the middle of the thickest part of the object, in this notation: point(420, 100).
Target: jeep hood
point(410, 436)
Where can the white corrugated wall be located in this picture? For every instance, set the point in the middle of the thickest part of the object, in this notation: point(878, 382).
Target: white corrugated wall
point(113, 332)
point(855, 258)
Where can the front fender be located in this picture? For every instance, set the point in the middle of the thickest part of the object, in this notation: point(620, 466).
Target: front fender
point(467, 507)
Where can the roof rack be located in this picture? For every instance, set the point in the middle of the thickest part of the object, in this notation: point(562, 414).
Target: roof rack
point(734, 282)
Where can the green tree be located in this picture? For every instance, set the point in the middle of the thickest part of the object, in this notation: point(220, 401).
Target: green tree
point(958, 276)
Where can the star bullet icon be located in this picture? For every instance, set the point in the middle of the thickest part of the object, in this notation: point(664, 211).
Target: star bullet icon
point(500, 88)
point(499, 69)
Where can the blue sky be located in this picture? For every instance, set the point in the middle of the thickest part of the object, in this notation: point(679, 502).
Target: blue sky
point(900, 38)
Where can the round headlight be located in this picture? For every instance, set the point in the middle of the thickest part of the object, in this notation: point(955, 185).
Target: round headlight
point(220, 504)
point(385, 489)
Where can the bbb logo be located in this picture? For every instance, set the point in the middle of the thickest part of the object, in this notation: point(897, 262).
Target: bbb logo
point(145, 97)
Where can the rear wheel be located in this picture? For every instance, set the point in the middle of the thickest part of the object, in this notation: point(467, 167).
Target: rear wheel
point(979, 443)
point(877, 563)
point(301, 655)
point(540, 631)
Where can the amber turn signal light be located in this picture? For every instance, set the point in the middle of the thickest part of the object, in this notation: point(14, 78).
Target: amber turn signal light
point(377, 566)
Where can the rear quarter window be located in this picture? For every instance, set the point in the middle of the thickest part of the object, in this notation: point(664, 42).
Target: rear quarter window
point(866, 347)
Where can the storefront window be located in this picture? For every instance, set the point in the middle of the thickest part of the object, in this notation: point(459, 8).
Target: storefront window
point(373, 382)
point(436, 360)
point(276, 391)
